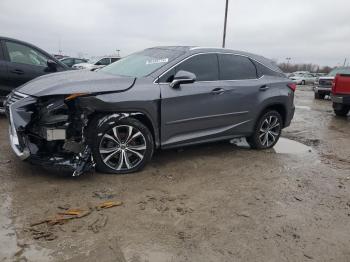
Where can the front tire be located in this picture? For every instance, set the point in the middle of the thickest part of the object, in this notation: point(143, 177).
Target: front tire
point(267, 131)
point(120, 144)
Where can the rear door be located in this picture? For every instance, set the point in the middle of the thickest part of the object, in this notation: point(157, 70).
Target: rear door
point(24, 63)
point(4, 87)
point(239, 78)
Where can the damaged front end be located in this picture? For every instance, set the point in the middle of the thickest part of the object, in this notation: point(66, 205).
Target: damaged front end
point(49, 131)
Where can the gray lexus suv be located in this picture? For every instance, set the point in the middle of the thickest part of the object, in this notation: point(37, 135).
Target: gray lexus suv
point(162, 97)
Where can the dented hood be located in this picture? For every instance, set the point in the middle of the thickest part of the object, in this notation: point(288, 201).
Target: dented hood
point(82, 81)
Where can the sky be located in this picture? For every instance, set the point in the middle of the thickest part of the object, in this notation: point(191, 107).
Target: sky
point(307, 31)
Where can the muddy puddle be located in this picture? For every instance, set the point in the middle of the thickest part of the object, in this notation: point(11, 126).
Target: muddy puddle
point(9, 248)
point(283, 146)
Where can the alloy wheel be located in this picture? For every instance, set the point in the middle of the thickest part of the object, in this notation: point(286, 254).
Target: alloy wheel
point(269, 130)
point(123, 147)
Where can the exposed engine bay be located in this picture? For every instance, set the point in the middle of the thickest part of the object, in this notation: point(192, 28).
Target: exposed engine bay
point(50, 131)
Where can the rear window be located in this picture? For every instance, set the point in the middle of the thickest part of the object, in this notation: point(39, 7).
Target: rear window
point(235, 67)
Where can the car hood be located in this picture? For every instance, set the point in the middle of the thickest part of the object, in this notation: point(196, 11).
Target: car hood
point(75, 82)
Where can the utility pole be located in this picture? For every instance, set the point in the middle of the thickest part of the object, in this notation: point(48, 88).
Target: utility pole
point(225, 22)
point(288, 60)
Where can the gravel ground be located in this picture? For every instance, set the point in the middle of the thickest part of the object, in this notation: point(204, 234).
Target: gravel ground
point(216, 202)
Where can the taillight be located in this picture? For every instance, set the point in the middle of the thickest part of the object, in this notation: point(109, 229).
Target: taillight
point(292, 86)
point(333, 84)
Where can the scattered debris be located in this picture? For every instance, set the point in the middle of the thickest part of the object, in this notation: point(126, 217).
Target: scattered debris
point(44, 229)
point(104, 194)
point(64, 207)
point(98, 223)
point(308, 256)
point(109, 204)
point(242, 214)
point(298, 198)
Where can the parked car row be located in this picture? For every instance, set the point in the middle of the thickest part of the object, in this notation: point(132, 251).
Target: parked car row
point(303, 78)
point(96, 63)
point(21, 62)
point(323, 85)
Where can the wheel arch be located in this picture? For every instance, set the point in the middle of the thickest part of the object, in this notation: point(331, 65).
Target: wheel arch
point(143, 117)
point(279, 107)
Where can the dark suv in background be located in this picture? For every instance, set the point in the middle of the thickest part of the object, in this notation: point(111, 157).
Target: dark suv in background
point(161, 97)
point(21, 62)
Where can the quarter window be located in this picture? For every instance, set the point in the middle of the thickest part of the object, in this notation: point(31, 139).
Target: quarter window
point(235, 67)
point(19, 53)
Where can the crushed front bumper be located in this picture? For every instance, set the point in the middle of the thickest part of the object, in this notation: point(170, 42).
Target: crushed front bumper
point(17, 142)
point(20, 110)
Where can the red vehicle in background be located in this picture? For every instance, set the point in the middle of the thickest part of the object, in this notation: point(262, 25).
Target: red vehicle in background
point(341, 94)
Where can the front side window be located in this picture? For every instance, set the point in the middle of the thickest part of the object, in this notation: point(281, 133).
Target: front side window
point(235, 67)
point(204, 66)
point(19, 53)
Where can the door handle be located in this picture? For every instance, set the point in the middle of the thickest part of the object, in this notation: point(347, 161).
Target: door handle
point(17, 71)
point(217, 91)
point(264, 88)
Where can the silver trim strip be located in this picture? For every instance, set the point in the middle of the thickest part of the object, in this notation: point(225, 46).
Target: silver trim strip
point(204, 117)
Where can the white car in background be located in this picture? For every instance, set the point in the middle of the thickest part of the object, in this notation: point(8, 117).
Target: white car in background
point(96, 63)
point(303, 79)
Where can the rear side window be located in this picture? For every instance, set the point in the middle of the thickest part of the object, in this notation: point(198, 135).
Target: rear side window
point(234, 67)
point(204, 66)
point(263, 70)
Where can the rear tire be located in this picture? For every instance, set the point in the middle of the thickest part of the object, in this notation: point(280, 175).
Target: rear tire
point(267, 130)
point(120, 144)
point(343, 112)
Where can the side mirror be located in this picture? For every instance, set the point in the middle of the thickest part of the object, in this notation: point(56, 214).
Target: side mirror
point(182, 77)
point(51, 65)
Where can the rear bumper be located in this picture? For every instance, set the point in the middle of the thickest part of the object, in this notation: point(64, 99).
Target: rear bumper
point(322, 90)
point(289, 117)
point(341, 99)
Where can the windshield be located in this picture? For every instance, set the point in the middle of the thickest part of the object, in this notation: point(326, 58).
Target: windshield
point(142, 63)
point(336, 71)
